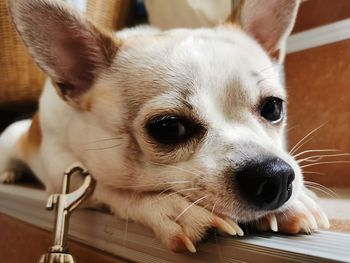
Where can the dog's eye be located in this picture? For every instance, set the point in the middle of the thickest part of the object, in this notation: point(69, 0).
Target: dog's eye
point(171, 129)
point(272, 109)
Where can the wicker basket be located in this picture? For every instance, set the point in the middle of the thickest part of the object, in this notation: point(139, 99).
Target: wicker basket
point(110, 14)
point(20, 79)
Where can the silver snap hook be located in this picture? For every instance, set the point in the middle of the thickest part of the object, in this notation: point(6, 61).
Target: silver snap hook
point(64, 204)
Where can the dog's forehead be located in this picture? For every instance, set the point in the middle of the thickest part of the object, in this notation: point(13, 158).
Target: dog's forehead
point(227, 63)
point(223, 64)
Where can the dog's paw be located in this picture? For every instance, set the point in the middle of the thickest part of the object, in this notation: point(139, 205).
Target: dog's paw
point(10, 176)
point(179, 224)
point(303, 216)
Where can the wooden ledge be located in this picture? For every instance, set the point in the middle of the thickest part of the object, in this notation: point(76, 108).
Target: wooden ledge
point(107, 233)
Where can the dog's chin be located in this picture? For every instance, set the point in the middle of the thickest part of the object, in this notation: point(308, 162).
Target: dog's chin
point(247, 215)
point(242, 212)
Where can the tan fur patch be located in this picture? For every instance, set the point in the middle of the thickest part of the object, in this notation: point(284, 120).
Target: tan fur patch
point(235, 16)
point(86, 101)
point(29, 143)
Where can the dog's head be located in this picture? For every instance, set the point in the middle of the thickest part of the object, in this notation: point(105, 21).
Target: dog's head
point(201, 112)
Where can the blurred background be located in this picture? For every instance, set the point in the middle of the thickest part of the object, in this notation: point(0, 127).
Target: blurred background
point(317, 68)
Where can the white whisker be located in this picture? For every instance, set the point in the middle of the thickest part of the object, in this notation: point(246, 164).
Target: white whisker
point(321, 163)
point(167, 189)
point(320, 186)
point(127, 224)
point(186, 209)
point(296, 146)
point(292, 127)
point(316, 150)
point(102, 148)
point(105, 139)
point(301, 145)
point(174, 193)
point(316, 158)
point(320, 189)
point(215, 202)
point(311, 172)
point(157, 184)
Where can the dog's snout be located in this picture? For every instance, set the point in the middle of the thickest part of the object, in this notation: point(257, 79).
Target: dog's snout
point(266, 183)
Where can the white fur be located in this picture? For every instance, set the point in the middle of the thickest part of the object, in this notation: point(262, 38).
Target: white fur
point(224, 73)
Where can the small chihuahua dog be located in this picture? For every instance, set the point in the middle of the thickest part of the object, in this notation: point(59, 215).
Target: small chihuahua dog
point(183, 130)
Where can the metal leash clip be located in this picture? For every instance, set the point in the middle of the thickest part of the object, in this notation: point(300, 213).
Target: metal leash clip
point(64, 205)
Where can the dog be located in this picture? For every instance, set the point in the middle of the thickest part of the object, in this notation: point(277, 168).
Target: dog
point(183, 130)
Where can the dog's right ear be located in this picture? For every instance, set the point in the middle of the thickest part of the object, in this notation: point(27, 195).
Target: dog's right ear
point(69, 48)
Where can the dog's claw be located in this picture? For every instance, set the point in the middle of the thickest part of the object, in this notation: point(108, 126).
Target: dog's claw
point(323, 220)
point(187, 243)
point(224, 226)
point(304, 227)
point(312, 221)
point(273, 222)
point(235, 226)
point(316, 211)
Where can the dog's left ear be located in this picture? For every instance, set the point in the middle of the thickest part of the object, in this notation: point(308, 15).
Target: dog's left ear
point(269, 22)
point(68, 47)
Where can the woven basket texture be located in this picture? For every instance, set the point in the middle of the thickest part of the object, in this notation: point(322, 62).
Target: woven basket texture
point(110, 14)
point(20, 78)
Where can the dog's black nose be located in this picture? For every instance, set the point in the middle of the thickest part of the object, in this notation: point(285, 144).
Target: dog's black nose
point(266, 183)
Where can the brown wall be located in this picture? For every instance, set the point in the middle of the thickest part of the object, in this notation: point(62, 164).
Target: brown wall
point(23, 243)
point(318, 81)
point(314, 13)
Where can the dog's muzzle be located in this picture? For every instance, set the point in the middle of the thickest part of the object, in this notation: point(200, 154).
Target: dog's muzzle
point(266, 183)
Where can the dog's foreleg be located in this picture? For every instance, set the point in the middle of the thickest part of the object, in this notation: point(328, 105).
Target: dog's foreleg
point(178, 222)
point(10, 156)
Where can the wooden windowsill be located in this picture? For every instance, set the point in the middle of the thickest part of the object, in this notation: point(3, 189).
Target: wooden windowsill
point(107, 233)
